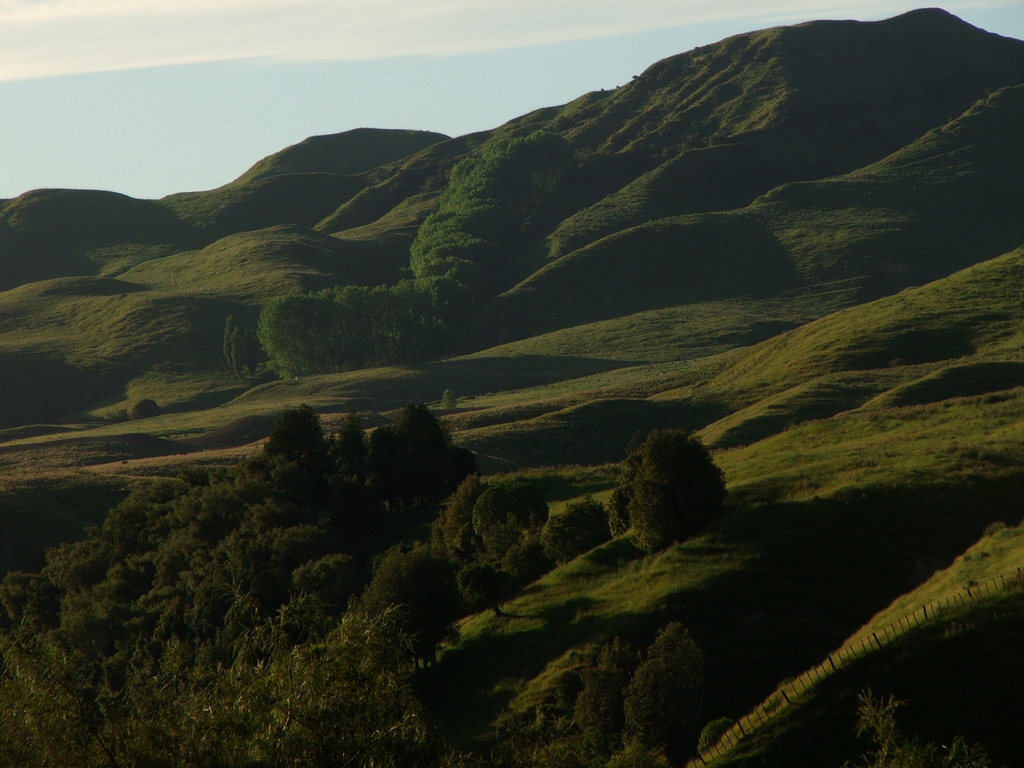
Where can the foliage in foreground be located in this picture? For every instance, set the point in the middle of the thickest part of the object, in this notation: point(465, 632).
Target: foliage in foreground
point(205, 623)
point(342, 697)
point(877, 718)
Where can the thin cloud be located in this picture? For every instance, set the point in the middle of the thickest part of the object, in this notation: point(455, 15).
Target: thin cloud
point(40, 38)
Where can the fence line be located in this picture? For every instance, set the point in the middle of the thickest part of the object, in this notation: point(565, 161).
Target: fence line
point(791, 690)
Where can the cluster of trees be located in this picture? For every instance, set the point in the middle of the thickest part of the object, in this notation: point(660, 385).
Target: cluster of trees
point(500, 538)
point(253, 615)
point(491, 539)
point(460, 256)
point(482, 211)
point(206, 621)
point(351, 327)
point(623, 707)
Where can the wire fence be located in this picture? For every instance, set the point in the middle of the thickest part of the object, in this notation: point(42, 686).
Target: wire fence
point(790, 691)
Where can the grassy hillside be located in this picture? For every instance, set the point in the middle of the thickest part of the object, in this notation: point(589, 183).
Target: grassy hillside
point(948, 670)
point(803, 244)
point(945, 201)
point(708, 180)
point(348, 154)
point(255, 266)
point(59, 233)
point(779, 105)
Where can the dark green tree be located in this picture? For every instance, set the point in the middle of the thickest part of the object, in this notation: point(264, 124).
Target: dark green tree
point(413, 462)
point(484, 586)
point(240, 348)
point(452, 531)
point(505, 512)
point(298, 437)
point(662, 698)
point(423, 588)
point(144, 409)
point(525, 558)
point(333, 579)
point(350, 449)
point(598, 711)
point(230, 330)
point(425, 452)
point(581, 527)
point(670, 489)
point(385, 462)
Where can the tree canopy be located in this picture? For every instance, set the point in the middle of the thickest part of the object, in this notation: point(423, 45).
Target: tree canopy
point(669, 489)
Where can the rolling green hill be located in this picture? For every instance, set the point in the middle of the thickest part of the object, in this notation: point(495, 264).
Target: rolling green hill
point(764, 166)
point(803, 244)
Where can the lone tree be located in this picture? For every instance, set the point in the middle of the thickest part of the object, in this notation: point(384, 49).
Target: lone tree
point(484, 586)
point(669, 489)
point(599, 711)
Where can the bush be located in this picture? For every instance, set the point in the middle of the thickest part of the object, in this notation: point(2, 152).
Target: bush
point(670, 488)
point(581, 527)
point(636, 755)
point(144, 409)
point(712, 732)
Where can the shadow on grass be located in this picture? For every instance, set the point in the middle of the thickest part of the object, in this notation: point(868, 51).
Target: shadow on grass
point(793, 581)
point(385, 389)
point(952, 675)
point(554, 439)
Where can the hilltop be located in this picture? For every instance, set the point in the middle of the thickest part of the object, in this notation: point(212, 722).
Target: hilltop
point(772, 162)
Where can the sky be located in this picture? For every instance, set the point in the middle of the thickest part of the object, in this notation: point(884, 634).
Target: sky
point(151, 97)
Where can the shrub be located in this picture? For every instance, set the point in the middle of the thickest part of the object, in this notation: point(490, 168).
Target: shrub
point(581, 527)
point(144, 409)
point(712, 732)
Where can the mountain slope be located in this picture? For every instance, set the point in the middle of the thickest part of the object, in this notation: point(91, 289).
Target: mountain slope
point(949, 199)
point(709, 178)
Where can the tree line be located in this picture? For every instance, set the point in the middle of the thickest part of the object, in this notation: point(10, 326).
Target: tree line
point(461, 256)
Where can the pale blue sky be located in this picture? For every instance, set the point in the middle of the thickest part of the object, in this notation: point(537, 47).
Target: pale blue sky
point(149, 97)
